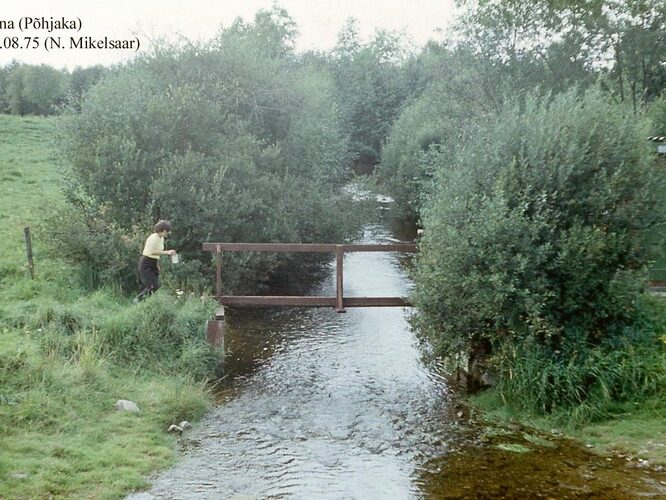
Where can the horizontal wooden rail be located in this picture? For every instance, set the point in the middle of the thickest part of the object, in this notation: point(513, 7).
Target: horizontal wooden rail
point(307, 247)
point(311, 301)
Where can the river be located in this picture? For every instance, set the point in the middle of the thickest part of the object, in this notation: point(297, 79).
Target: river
point(317, 404)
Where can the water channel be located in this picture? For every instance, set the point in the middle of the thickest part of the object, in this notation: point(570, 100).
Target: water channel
point(317, 404)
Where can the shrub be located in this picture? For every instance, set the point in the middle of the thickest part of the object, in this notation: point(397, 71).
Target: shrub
point(103, 252)
point(436, 124)
point(580, 382)
point(535, 237)
point(163, 334)
point(231, 141)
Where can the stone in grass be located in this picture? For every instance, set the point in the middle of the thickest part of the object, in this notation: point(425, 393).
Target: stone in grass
point(178, 429)
point(124, 405)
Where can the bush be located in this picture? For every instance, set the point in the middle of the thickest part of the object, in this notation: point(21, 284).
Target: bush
point(535, 236)
point(580, 382)
point(405, 172)
point(102, 252)
point(163, 334)
point(371, 86)
point(436, 124)
point(231, 141)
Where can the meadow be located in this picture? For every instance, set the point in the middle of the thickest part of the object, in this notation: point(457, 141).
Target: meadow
point(68, 353)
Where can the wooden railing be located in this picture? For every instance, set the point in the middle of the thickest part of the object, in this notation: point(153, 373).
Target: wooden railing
point(339, 302)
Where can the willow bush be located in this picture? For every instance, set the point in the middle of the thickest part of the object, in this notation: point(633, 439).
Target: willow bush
point(233, 140)
point(534, 248)
point(436, 123)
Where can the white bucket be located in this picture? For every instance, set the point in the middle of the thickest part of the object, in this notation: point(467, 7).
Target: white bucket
point(175, 258)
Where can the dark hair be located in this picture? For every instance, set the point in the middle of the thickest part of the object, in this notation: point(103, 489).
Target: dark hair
point(163, 225)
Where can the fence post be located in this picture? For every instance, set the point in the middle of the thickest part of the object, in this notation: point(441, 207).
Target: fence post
point(28, 251)
point(339, 254)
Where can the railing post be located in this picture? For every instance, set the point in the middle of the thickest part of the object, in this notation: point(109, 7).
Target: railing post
point(28, 251)
point(218, 273)
point(339, 255)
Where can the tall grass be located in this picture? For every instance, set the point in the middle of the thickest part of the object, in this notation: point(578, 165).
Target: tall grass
point(585, 382)
point(61, 435)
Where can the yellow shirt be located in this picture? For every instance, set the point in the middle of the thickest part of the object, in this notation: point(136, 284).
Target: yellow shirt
point(154, 245)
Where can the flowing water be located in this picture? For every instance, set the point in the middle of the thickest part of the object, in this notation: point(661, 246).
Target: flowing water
point(317, 404)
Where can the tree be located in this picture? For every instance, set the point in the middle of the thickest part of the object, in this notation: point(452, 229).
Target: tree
point(274, 30)
point(81, 80)
point(43, 89)
point(33, 89)
point(234, 140)
point(619, 40)
point(14, 92)
point(5, 71)
point(534, 243)
point(460, 91)
point(639, 46)
point(370, 88)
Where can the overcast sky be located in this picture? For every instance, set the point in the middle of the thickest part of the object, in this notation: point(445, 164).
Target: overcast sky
point(198, 20)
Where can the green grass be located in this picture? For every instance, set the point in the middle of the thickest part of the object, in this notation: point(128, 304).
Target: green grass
point(61, 433)
point(67, 354)
point(635, 428)
point(626, 410)
point(28, 176)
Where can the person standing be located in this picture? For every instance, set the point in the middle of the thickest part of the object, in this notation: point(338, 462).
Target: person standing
point(149, 263)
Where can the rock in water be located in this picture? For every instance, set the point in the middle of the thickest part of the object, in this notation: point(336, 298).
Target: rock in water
point(124, 405)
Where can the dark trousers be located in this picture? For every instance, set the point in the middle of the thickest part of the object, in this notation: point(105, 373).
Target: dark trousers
point(149, 275)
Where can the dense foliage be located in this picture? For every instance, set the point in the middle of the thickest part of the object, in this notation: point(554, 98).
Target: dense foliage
point(505, 50)
point(534, 239)
point(457, 94)
point(27, 89)
point(371, 86)
point(518, 141)
point(232, 141)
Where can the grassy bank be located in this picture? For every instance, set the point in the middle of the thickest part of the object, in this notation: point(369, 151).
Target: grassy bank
point(67, 354)
point(636, 432)
point(633, 430)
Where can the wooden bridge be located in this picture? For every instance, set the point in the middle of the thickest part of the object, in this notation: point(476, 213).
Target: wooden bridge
point(339, 302)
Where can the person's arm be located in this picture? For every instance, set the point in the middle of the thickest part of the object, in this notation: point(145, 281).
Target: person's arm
point(167, 252)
